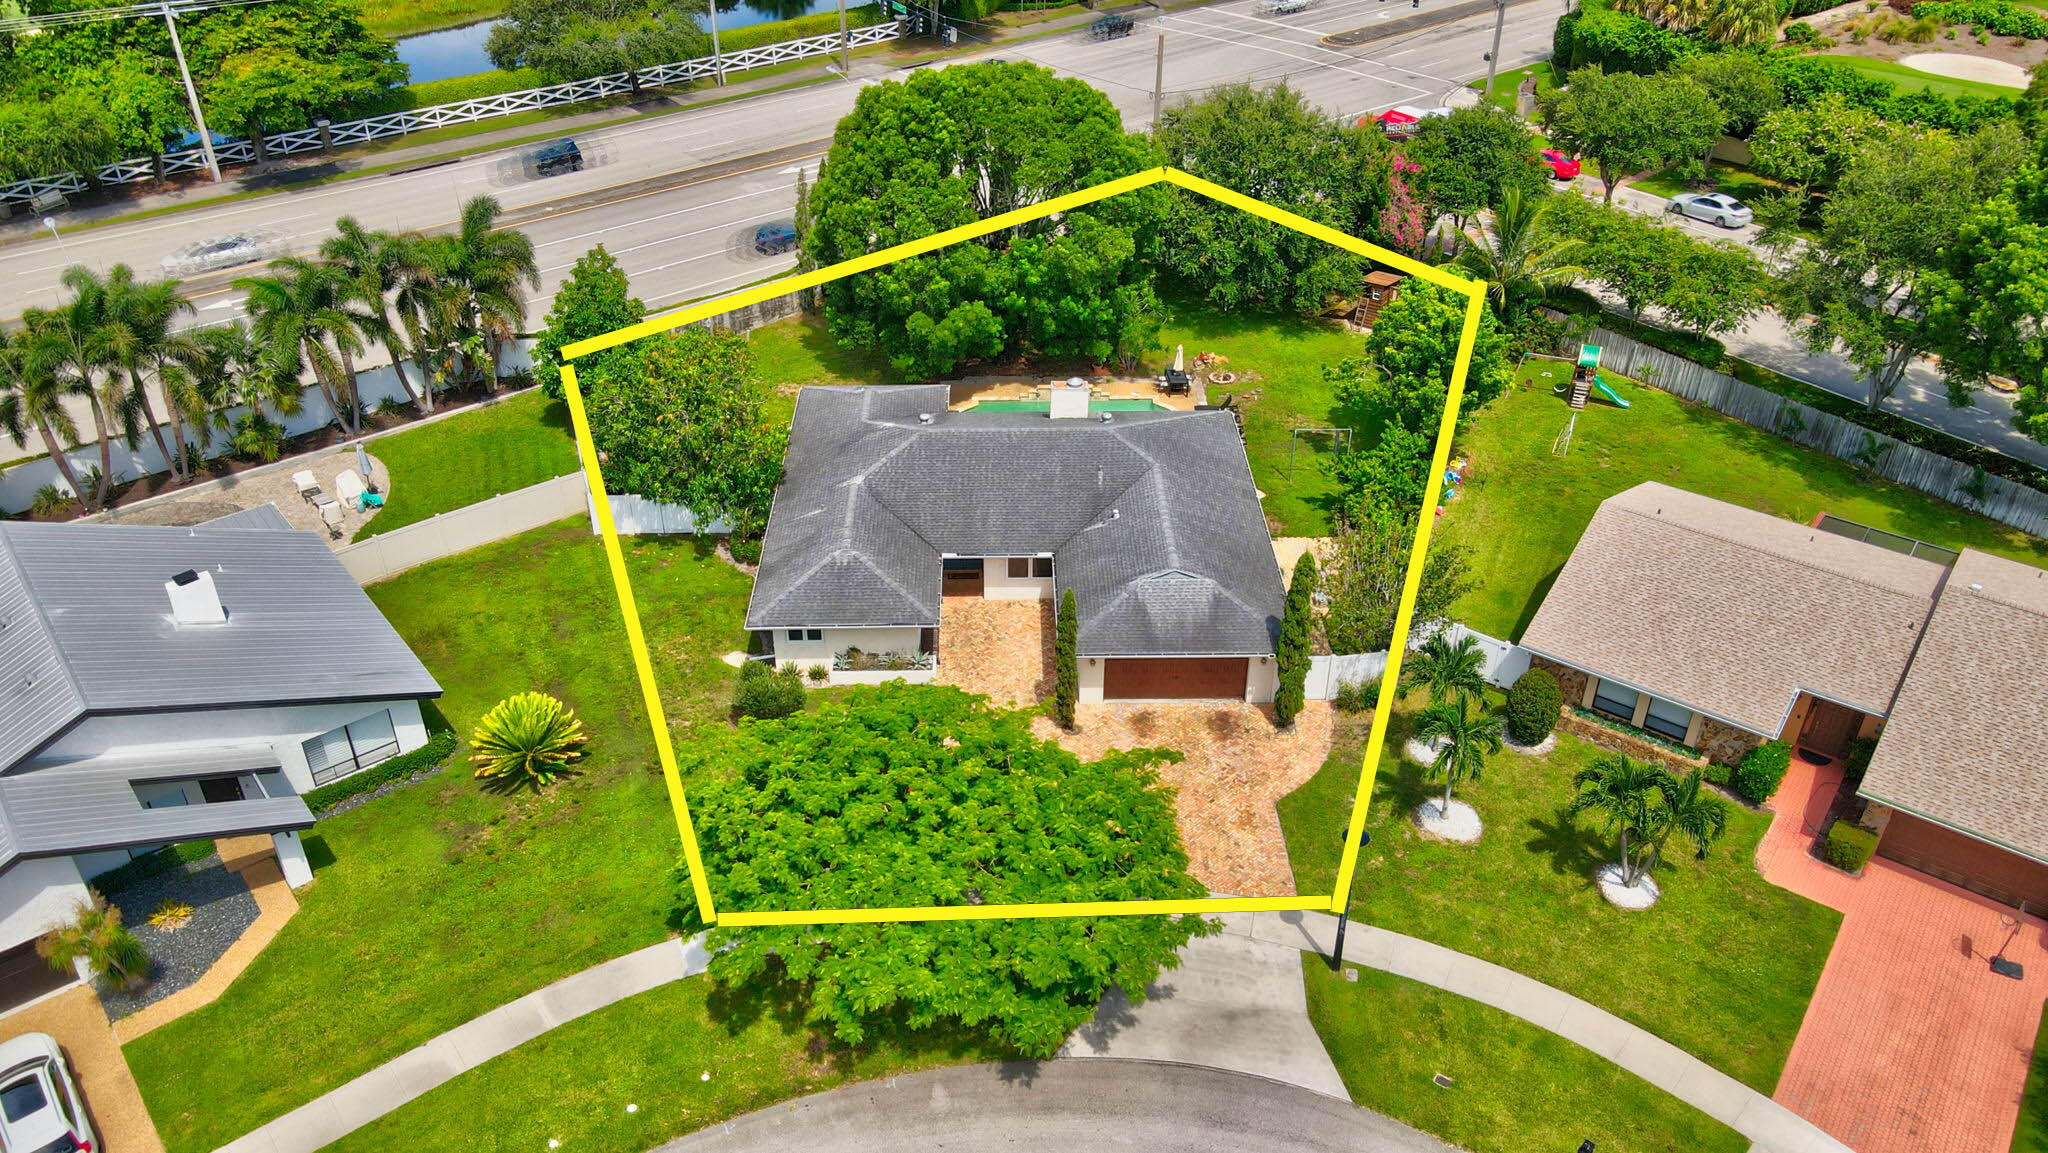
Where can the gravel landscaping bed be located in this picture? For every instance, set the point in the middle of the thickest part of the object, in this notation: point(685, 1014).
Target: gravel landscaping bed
point(222, 910)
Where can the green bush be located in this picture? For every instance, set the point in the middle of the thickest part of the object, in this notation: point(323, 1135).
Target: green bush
point(1533, 706)
point(1801, 33)
point(815, 24)
point(2000, 16)
point(440, 743)
point(1354, 696)
point(1619, 42)
point(1848, 846)
point(1856, 753)
point(149, 865)
point(744, 549)
point(767, 692)
point(1762, 768)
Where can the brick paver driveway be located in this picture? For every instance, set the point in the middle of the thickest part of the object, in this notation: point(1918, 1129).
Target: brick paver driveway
point(1911, 1044)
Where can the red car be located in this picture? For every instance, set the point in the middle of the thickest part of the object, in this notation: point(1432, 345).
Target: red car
point(1561, 167)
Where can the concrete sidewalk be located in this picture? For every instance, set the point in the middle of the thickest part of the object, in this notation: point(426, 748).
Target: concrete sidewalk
point(336, 1114)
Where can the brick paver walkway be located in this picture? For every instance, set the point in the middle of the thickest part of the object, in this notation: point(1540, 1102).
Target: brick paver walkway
point(1000, 649)
point(1911, 1044)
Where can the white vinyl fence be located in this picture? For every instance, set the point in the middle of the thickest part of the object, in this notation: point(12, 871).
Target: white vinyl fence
point(325, 136)
point(459, 530)
point(2002, 500)
point(1505, 663)
point(638, 516)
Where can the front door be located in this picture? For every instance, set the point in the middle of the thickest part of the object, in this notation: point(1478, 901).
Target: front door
point(963, 576)
point(218, 789)
point(1828, 727)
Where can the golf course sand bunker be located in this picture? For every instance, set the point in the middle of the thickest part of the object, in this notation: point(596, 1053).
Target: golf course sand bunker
point(1963, 66)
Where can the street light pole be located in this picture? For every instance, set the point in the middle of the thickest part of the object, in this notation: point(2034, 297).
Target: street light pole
point(192, 95)
point(1344, 916)
point(717, 62)
point(845, 46)
point(1159, 82)
point(1500, 16)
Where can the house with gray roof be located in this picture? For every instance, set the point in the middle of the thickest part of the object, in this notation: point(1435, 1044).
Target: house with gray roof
point(890, 504)
point(1714, 628)
point(163, 684)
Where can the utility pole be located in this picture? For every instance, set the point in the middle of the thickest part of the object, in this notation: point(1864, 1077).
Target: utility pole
point(845, 45)
point(1500, 16)
point(192, 95)
point(1159, 82)
point(717, 62)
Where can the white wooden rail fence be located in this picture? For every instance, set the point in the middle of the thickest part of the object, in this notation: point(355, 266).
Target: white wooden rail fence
point(2000, 499)
point(320, 138)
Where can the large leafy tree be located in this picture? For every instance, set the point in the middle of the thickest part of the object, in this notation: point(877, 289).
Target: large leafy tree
point(1807, 146)
point(1274, 145)
point(1629, 123)
point(1862, 284)
point(1410, 355)
point(677, 418)
point(1713, 286)
point(949, 147)
point(905, 795)
point(1740, 86)
point(1988, 303)
point(571, 39)
point(1472, 159)
point(594, 300)
point(1368, 559)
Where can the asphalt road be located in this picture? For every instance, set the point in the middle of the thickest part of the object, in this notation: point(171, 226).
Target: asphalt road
point(1065, 1105)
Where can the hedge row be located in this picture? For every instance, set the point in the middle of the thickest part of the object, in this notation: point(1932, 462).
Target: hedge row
point(816, 24)
point(150, 865)
point(1804, 79)
point(2001, 17)
point(440, 743)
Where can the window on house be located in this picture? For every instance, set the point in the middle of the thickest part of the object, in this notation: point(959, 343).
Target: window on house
point(352, 747)
point(1030, 566)
point(1667, 719)
point(1615, 700)
point(1041, 566)
point(807, 634)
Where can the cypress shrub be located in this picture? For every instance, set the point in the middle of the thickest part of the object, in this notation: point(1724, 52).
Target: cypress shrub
point(1067, 687)
point(1292, 656)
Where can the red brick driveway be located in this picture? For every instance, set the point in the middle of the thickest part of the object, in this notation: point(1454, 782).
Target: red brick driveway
point(1911, 1044)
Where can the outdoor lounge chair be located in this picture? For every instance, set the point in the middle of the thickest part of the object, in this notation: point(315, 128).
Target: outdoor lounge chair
point(349, 487)
point(330, 515)
point(308, 484)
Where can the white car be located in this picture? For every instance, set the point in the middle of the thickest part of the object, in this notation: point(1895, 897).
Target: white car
point(226, 252)
point(1283, 7)
point(40, 1110)
point(1713, 208)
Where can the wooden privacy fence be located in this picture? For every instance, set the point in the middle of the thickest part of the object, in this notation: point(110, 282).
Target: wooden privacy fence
point(2000, 499)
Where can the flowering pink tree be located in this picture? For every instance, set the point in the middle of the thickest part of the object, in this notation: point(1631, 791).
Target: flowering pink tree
point(1405, 220)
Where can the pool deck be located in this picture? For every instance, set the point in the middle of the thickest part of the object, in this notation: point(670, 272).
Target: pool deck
point(969, 391)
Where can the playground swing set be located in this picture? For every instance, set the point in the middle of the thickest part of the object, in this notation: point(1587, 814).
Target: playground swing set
point(1585, 380)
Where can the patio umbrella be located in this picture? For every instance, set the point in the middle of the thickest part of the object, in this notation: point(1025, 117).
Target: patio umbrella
point(363, 465)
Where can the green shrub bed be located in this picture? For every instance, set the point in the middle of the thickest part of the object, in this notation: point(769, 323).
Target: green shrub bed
point(1761, 771)
point(440, 743)
point(1848, 846)
point(2000, 16)
point(150, 865)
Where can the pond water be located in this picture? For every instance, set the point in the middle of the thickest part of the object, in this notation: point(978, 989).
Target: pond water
point(460, 51)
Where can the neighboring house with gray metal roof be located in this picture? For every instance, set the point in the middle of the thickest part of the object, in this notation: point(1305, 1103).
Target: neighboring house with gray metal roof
point(890, 503)
point(163, 684)
point(1717, 627)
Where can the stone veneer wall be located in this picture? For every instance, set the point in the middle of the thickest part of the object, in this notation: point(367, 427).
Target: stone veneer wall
point(1571, 680)
point(1725, 744)
point(1627, 744)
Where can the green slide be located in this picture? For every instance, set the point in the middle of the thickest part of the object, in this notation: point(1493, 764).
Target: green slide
point(1610, 394)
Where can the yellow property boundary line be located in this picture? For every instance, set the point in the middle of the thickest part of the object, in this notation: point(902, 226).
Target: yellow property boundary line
point(1338, 899)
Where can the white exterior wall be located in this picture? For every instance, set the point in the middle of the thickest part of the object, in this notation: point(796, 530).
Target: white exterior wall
point(998, 585)
point(36, 896)
point(804, 654)
point(1091, 670)
point(1261, 680)
point(282, 729)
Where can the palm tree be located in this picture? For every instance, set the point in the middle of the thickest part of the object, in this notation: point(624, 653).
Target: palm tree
point(155, 351)
point(486, 272)
point(231, 368)
point(374, 265)
point(1521, 257)
point(1463, 739)
point(1620, 788)
point(1698, 817)
point(32, 396)
point(302, 314)
point(95, 935)
point(1743, 22)
point(1448, 669)
point(83, 343)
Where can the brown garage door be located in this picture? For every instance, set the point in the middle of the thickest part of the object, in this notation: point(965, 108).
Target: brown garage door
point(1145, 678)
point(1964, 861)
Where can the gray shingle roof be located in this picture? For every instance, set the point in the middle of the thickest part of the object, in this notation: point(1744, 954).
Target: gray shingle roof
point(1733, 612)
point(88, 627)
point(1963, 743)
point(1152, 519)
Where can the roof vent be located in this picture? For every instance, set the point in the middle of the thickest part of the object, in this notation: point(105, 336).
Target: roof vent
point(924, 418)
point(194, 600)
point(1976, 587)
point(1105, 417)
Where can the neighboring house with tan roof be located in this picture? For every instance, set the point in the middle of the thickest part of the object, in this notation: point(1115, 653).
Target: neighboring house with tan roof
point(1717, 628)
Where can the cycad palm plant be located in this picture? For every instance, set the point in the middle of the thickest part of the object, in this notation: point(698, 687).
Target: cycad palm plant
point(1620, 789)
point(1449, 669)
point(303, 313)
point(1462, 737)
point(526, 740)
point(1522, 257)
point(95, 935)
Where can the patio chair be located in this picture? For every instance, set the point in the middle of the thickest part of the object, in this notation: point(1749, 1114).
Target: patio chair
point(308, 484)
point(349, 487)
point(330, 515)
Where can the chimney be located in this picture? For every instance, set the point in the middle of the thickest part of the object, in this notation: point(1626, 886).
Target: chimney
point(1070, 400)
point(194, 600)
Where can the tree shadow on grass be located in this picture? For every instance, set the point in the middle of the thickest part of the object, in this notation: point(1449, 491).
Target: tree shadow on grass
point(785, 1003)
point(1574, 850)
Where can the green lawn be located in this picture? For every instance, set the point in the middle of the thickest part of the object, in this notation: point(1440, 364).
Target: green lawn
point(1728, 179)
point(1507, 85)
point(1279, 362)
point(1906, 79)
point(1522, 509)
point(441, 901)
point(2031, 1136)
point(436, 468)
point(396, 18)
point(1722, 967)
point(1515, 1088)
point(573, 1084)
